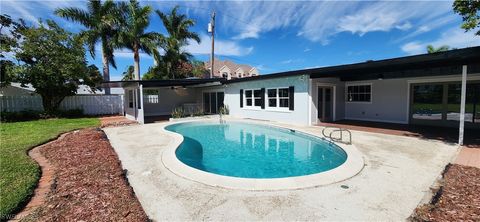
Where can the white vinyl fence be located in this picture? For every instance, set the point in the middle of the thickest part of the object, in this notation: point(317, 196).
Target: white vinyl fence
point(91, 104)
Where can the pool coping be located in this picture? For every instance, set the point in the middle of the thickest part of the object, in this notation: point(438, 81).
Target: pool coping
point(351, 167)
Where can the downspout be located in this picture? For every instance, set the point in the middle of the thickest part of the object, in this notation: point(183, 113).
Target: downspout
point(462, 105)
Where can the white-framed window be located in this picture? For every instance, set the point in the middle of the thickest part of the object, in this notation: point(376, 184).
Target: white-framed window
point(278, 98)
point(253, 98)
point(359, 93)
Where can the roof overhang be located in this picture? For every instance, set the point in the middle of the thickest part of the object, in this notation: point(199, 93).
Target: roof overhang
point(441, 63)
point(165, 83)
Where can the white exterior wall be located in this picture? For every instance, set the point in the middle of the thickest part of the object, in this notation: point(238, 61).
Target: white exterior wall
point(388, 102)
point(391, 98)
point(300, 114)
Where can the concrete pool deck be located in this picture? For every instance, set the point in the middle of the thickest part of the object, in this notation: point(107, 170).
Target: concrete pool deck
point(397, 174)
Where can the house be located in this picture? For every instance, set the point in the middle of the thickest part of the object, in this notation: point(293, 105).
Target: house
point(422, 89)
point(230, 70)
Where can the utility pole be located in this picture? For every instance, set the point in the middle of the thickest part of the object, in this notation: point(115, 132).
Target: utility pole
point(211, 29)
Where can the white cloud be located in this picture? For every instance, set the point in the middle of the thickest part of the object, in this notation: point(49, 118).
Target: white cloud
point(455, 38)
point(320, 21)
point(128, 54)
point(32, 11)
point(307, 50)
point(289, 61)
point(222, 47)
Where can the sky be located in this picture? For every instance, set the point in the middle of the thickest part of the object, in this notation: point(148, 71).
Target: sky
point(277, 36)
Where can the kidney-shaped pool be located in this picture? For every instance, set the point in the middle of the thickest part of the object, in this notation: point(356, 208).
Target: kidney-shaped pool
point(248, 150)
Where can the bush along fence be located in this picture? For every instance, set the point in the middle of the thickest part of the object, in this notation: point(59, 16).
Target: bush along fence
point(90, 104)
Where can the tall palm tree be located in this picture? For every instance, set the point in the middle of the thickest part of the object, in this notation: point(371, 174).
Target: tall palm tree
point(101, 22)
point(134, 35)
point(431, 49)
point(178, 28)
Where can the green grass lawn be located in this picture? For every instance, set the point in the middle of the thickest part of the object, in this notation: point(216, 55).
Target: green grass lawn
point(18, 173)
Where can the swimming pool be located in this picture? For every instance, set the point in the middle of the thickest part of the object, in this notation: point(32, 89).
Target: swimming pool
point(247, 150)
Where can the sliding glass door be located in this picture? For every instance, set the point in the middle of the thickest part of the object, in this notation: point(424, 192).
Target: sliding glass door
point(439, 104)
point(212, 101)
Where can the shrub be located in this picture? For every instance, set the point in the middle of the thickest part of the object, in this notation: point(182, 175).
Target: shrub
point(178, 113)
point(28, 115)
point(224, 110)
point(25, 115)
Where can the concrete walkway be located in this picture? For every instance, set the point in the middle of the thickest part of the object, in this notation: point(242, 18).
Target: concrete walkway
point(397, 175)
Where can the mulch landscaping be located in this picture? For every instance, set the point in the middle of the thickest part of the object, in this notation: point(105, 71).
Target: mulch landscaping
point(114, 121)
point(458, 199)
point(89, 183)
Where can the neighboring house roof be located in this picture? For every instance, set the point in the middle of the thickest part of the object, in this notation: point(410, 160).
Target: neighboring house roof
point(232, 66)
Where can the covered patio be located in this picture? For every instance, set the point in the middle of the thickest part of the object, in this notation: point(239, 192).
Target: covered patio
point(432, 96)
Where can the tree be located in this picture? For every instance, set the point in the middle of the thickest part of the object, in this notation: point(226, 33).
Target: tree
point(134, 35)
point(53, 61)
point(199, 69)
point(128, 74)
point(10, 37)
point(102, 23)
point(178, 28)
point(431, 49)
point(470, 12)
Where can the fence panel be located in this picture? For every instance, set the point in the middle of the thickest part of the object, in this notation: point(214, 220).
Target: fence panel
point(91, 104)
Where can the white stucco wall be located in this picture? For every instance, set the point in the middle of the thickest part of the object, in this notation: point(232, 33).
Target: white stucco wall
point(300, 114)
point(391, 98)
point(388, 102)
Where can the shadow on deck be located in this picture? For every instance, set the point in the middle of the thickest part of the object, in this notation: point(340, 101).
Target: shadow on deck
point(156, 119)
point(471, 137)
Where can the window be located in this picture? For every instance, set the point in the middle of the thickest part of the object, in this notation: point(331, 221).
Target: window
point(272, 97)
point(359, 93)
point(248, 97)
point(253, 97)
point(283, 97)
point(278, 98)
point(257, 96)
point(130, 98)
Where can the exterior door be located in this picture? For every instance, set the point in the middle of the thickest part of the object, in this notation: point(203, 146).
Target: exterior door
point(325, 104)
point(212, 101)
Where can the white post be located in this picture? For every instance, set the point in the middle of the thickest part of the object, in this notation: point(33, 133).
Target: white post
point(462, 105)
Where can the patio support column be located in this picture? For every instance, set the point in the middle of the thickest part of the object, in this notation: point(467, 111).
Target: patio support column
point(462, 105)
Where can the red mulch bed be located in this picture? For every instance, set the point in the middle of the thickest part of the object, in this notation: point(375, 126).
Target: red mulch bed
point(89, 183)
point(457, 200)
point(114, 121)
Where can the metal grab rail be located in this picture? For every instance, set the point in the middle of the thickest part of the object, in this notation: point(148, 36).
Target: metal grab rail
point(341, 130)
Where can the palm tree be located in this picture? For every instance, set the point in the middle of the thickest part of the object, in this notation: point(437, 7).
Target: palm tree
point(177, 26)
point(100, 21)
point(431, 49)
point(128, 74)
point(134, 36)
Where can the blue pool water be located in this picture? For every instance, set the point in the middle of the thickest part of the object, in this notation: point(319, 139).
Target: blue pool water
point(254, 151)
